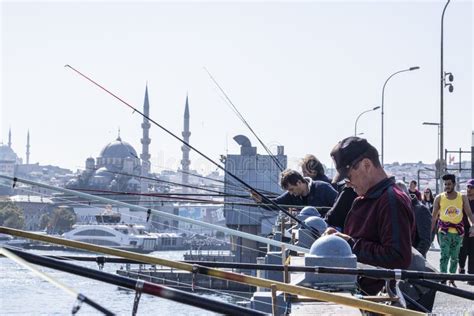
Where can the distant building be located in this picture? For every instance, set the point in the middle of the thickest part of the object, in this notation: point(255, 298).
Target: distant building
point(262, 173)
point(8, 162)
point(114, 170)
point(33, 207)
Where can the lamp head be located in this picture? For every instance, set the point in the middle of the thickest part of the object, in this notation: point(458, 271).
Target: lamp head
point(414, 68)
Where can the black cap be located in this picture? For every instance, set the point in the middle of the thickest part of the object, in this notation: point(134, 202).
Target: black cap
point(347, 153)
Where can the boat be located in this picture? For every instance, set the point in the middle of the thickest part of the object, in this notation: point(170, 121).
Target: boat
point(109, 231)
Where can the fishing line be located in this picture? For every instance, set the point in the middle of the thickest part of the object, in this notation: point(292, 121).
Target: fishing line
point(240, 116)
point(140, 218)
point(264, 198)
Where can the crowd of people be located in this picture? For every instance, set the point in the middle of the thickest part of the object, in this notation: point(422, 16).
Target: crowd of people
point(380, 217)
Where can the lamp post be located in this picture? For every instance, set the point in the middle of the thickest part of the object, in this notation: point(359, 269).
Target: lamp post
point(383, 93)
point(443, 84)
point(357, 119)
point(438, 166)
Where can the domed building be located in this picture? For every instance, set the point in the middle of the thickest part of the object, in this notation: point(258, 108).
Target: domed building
point(8, 162)
point(115, 169)
point(7, 154)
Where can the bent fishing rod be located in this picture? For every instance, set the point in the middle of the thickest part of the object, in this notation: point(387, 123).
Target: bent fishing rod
point(140, 286)
point(149, 211)
point(18, 258)
point(220, 274)
point(245, 184)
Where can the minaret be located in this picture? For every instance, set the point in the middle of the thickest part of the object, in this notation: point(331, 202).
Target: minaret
point(145, 155)
point(28, 148)
point(10, 137)
point(185, 162)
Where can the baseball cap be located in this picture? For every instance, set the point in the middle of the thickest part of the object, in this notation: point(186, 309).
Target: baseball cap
point(470, 182)
point(347, 153)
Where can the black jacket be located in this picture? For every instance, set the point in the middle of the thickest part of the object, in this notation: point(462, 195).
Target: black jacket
point(423, 227)
point(336, 216)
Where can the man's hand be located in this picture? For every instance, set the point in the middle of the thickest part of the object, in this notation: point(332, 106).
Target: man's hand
point(333, 231)
point(255, 196)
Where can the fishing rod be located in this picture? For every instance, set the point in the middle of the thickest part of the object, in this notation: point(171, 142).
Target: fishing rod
point(163, 195)
point(149, 211)
point(18, 258)
point(199, 223)
point(236, 186)
point(240, 116)
point(250, 188)
point(236, 277)
point(213, 239)
point(365, 272)
point(166, 181)
point(140, 286)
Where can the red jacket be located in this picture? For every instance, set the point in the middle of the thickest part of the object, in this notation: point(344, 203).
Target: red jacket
point(382, 226)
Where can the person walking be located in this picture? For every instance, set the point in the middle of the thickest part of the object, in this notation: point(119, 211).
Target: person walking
point(448, 211)
point(467, 249)
point(427, 199)
point(414, 190)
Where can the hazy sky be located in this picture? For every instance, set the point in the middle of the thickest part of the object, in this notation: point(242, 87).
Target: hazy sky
point(300, 73)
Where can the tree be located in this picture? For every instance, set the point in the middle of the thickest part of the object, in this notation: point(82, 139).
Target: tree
point(62, 219)
point(11, 215)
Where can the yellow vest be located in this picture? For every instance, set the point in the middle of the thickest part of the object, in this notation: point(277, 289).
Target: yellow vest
point(450, 211)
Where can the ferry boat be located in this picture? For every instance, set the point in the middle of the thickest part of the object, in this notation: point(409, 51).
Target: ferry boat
point(110, 232)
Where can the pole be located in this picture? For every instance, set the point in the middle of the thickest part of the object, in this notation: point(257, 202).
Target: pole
point(383, 96)
point(357, 119)
point(472, 155)
point(441, 115)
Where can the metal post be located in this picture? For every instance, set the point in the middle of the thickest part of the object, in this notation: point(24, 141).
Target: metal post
point(383, 96)
point(441, 120)
point(357, 119)
point(472, 155)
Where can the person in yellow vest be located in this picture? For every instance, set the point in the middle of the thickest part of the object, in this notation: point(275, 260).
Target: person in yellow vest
point(448, 214)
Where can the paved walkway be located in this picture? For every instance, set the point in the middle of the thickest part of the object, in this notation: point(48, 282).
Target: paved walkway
point(446, 304)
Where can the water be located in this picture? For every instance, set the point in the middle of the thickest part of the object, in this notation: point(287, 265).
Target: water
point(23, 293)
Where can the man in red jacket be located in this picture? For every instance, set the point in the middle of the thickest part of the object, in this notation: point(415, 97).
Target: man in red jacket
point(380, 226)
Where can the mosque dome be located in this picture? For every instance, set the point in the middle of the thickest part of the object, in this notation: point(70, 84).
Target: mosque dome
point(7, 154)
point(118, 149)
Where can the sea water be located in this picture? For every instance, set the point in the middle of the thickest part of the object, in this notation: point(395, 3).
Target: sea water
point(23, 293)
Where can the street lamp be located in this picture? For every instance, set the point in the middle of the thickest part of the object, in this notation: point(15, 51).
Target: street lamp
point(438, 166)
point(443, 85)
point(383, 93)
point(357, 119)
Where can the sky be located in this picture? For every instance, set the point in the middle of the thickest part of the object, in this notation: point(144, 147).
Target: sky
point(299, 72)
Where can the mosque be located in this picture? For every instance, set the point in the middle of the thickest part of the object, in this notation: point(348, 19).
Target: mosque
point(119, 168)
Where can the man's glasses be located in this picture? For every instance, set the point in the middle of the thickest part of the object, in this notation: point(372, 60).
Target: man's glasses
point(355, 165)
